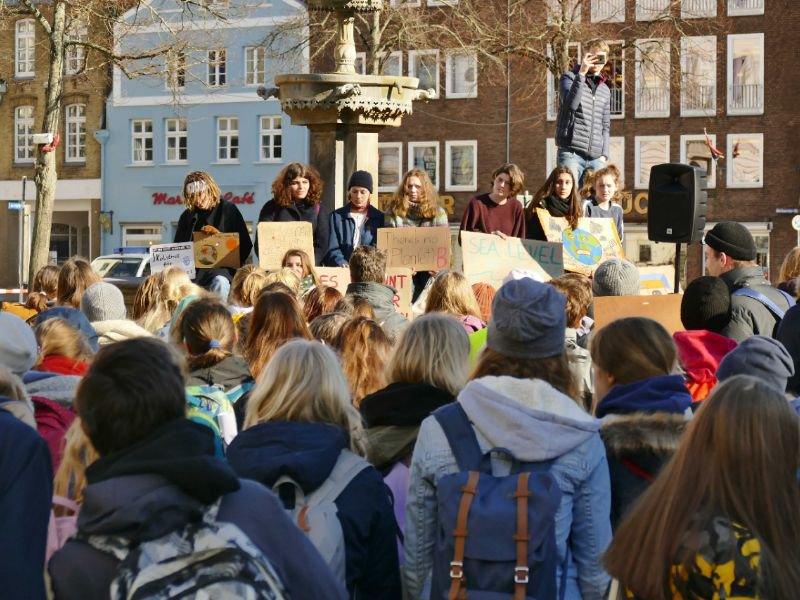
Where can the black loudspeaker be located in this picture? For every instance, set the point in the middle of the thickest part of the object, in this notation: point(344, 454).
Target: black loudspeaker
point(676, 205)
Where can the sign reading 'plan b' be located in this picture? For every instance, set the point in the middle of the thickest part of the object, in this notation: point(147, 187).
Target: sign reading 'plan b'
point(489, 258)
point(418, 248)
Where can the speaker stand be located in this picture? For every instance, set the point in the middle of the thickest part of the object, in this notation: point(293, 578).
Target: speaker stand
point(677, 268)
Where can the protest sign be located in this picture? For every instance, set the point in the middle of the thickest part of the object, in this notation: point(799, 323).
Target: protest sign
point(335, 277)
point(168, 255)
point(214, 250)
point(400, 279)
point(666, 309)
point(594, 241)
point(489, 258)
point(419, 248)
point(275, 238)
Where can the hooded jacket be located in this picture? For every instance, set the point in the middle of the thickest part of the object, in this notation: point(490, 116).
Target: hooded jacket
point(307, 452)
point(58, 388)
point(316, 214)
point(748, 315)
point(699, 354)
point(536, 423)
point(584, 119)
point(116, 330)
point(381, 298)
point(342, 231)
point(159, 484)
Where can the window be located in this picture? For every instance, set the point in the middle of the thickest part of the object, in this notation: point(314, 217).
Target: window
point(650, 10)
point(563, 11)
point(460, 159)
point(176, 70)
point(141, 234)
point(390, 166)
point(216, 68)
point(694, 151)
point(392, 64)
point(652, 78)
point(650, 150)
point(254, 68)
point(745, 7)
point(745, 160)
point(461, 75)
point(75, 127)
point(176, 139)
point(227, 139)
point(698, 76)
point(25, 60)
point(23, 134)
point(608, 11)
point(553, 82)
point(270, 136)
point(616, 155)
point(142, 141)
point(424, 64)
point(695, 9)
point(425, 156)
point(615, 78)
point(746, 74)
point(75, 56)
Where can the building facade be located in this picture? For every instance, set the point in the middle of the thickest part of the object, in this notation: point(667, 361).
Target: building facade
point(198, 111)
point(733, 80)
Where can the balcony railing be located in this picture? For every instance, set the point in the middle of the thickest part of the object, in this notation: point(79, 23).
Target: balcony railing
point(700, 8)
point(652, 100)
point(698, 97)
point(647, 10)
point(617, 101)
point(608, 10)
point(746, 96)
point(745, 5)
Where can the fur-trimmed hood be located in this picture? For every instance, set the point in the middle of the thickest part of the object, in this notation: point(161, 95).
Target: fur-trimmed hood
point(657, 433)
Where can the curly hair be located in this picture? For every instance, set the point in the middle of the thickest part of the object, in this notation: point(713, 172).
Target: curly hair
point(282, 193)
point(429, 199)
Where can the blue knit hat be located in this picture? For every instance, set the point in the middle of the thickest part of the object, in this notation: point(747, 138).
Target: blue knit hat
point(759, 356)
point(75, 318)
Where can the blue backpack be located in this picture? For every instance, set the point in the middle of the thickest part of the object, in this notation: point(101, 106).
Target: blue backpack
point(495, 535)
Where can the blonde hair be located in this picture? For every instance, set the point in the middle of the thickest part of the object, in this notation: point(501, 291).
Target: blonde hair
point(11, 386)
point(57, 337)
point(433, 350)
point(146, 295)
point(198, 185)
point(304, 383)
point(451, 293)
point(248, 281)
point(429, 199)
point(175, 285)
point(790, 267)
point(287, 277)
point(70, 479)
point(308, 264)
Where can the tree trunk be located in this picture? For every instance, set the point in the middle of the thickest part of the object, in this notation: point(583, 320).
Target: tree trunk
point(46, 176)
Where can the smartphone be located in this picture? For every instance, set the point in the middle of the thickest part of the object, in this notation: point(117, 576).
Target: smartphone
point(600, 58)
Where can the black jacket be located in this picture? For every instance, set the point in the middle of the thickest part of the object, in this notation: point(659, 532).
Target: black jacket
point(316, 214)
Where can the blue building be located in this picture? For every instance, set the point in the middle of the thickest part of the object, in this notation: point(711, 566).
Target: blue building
point(195, 109)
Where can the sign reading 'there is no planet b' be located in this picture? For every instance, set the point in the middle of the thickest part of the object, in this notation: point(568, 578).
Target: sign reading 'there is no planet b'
point(418, 248)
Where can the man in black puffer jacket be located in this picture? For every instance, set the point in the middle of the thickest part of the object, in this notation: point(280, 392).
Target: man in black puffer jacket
point(584, 119)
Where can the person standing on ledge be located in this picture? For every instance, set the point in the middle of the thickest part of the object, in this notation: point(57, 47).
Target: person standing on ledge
point(499, 211)
point(584, 119)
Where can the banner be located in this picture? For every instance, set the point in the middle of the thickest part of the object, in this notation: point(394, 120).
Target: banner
point(335, 277)
point(418, 248)
point(275, 238)
point(594, 241)
point(666, 309)
point(213, 250)
point(180, 255)
point(489, 258)
point(400, 279)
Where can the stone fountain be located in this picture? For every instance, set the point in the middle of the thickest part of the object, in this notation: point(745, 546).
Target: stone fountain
point(343, 110)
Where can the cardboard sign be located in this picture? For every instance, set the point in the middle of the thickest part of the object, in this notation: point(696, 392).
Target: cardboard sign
point(666, 309)
point(419, 248)
point(274, 239)
point(489, 258)
point(594, 241)
point(180, 255)
point(400, 279)
point(335, 277)
point(214, 250)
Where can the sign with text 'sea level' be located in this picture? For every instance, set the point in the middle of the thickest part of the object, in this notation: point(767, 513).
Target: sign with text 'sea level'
point(489, 258)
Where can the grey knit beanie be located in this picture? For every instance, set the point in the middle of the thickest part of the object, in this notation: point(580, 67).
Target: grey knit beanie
point(103, 301)
point(18, 347)
point(616, 277)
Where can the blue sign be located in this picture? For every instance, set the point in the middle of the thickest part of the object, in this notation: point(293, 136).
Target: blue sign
point(582, 246)
point(15, 206)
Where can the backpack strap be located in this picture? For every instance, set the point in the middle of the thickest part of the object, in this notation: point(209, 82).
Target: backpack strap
point(468, 493)
point(347, 466)
point(460, 435)
point(522, 538)
point(762, 298)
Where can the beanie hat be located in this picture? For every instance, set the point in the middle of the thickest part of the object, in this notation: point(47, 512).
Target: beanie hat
point(529, 320)
point(17, 344)
point(75, 318)
point(759, 356)
point(789, 335)
point(733, 239)
point(360, 179)
point(616, 277)
point(706, 304)
point(103, 301)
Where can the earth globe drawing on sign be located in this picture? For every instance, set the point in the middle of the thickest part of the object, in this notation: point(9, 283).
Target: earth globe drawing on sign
point(582, 246)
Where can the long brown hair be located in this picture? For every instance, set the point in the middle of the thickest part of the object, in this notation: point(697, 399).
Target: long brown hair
point(364, 349)
point(738, 460)
point(553, 369)
point(633, 349)
point(429, 199)
point(74, 277)
point(276, 319)
point(549, 189)
point(44, 288)
point(282, 193)
point(207, 331)
point(319, 301)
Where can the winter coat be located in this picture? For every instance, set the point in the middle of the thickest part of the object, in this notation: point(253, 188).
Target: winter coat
point(159, 484)
point(749, 316)
point(483, 215)
point(641, 428)
point(307, 452)
point(584, 119)
point(556, 207)
point(381, 298)
point(117, 330)
point(226, 217)
point(699, 354)
point(412, 219)
point(536, 423)
point(342, 229)
point(54, 387)
point(26, 493)
point(316, 214)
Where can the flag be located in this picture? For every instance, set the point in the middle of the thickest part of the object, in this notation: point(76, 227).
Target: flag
point(715, 154)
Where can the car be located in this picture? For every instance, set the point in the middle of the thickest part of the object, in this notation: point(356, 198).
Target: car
point(123, 263)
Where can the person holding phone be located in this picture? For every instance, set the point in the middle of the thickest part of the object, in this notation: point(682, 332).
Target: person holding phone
point(584, 118)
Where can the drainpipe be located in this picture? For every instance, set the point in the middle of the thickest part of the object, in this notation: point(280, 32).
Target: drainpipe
point(101, 135)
